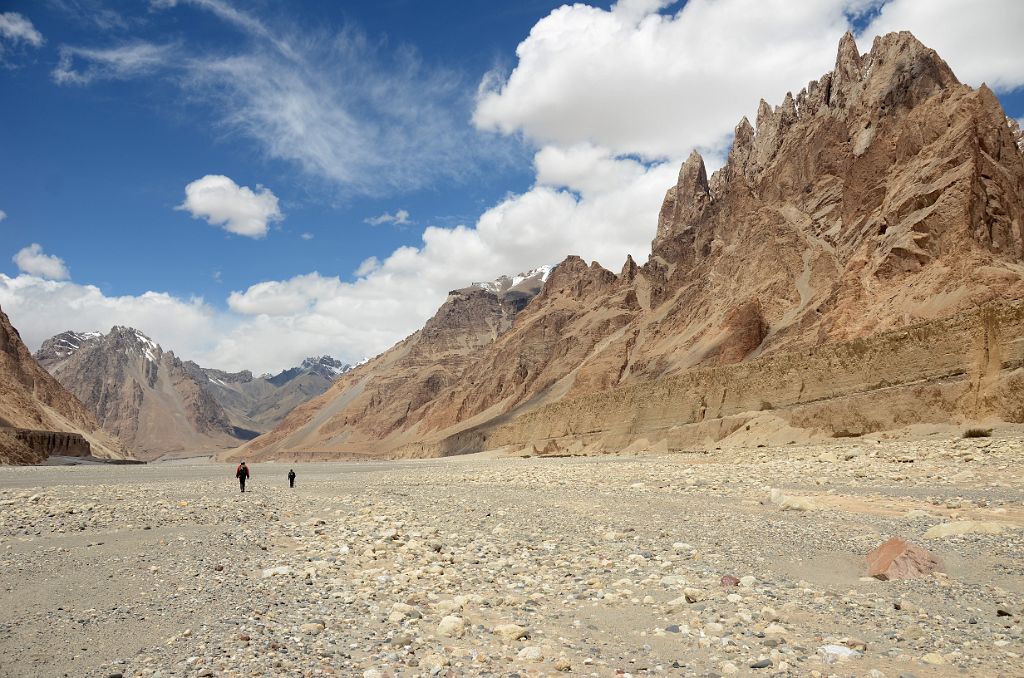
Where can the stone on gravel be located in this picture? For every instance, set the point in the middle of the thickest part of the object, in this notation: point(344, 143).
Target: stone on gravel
point(531, 653)
point(836, 653)
point(510, 632)
point(401, 611)
point(899, 559)
point(452, 626)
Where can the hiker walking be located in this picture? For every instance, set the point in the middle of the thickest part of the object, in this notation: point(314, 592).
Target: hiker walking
point(242, 473)
point(291, 477)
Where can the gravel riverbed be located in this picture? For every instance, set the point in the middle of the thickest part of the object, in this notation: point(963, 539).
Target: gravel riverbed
point(609, 566)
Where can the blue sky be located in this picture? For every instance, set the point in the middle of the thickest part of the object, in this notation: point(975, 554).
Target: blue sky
point(251, 183)
point(94, 172)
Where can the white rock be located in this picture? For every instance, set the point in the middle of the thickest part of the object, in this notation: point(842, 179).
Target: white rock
point(401, 612)
point(836, 653)
point(510, 632)
point(452, 626)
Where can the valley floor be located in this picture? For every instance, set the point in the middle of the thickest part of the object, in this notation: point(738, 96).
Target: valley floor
point(463, 567)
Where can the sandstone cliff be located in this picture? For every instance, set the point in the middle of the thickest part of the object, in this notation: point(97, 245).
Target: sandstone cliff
point(884, 196)
point(38, 416)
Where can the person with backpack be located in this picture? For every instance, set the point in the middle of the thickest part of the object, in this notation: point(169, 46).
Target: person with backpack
point(291, 478)
point(242, 473)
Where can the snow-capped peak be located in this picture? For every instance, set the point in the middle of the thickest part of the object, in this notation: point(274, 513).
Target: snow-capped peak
point(138, 340)
point(66, 343)
point(326, 365)
point(504, 283)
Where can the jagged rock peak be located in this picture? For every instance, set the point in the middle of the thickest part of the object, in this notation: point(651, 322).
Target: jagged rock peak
point(693, 178)
point(898, 73)
point(848, 61)
point(684, 203)
point(569, 269)
point(629, 269)
point(65, 344)
point(574, 278)
point(326, 366)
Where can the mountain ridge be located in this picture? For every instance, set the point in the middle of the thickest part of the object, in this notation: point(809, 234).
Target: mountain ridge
point(883, 195)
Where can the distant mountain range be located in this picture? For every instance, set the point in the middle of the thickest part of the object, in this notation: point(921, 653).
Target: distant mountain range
point(159, 405)
point(254, 405)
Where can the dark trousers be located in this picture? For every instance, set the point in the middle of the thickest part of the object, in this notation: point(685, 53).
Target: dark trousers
point(291, 482)
point(241, 483)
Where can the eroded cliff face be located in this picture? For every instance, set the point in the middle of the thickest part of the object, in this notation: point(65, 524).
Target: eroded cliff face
point(37, 415)
point(884, 195)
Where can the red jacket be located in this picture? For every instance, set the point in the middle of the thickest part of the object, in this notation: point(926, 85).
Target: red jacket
point(242, 471)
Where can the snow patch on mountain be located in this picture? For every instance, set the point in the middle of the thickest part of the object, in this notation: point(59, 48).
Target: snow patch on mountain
point(506, 282)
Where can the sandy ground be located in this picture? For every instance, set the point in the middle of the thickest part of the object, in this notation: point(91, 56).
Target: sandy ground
point(576, 566)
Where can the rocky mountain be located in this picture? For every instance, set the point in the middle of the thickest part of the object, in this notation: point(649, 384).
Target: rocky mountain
point(38, 416)
point(255, 405)
point(855, 266)
point(376, 399)
point(144, 395)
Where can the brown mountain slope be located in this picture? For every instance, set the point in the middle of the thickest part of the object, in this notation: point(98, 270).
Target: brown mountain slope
point(32, 400)
point(139, 392)
point(375, 400)
point(885, 195)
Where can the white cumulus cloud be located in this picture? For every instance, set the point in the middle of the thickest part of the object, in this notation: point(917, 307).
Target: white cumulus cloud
point(237, 209)
point(3, 215)
point(367, 266)
point(639, 82)
point(34, 261)
point(41, 308)
point(399, 218)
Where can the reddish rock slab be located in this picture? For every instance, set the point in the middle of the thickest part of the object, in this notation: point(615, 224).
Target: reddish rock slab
point(899, 559)
point(729, 580)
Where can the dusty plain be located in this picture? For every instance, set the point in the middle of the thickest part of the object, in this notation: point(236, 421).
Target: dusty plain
point(521, 566)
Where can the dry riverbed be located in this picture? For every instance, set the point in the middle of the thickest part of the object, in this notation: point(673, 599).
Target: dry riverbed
point(464, 567)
